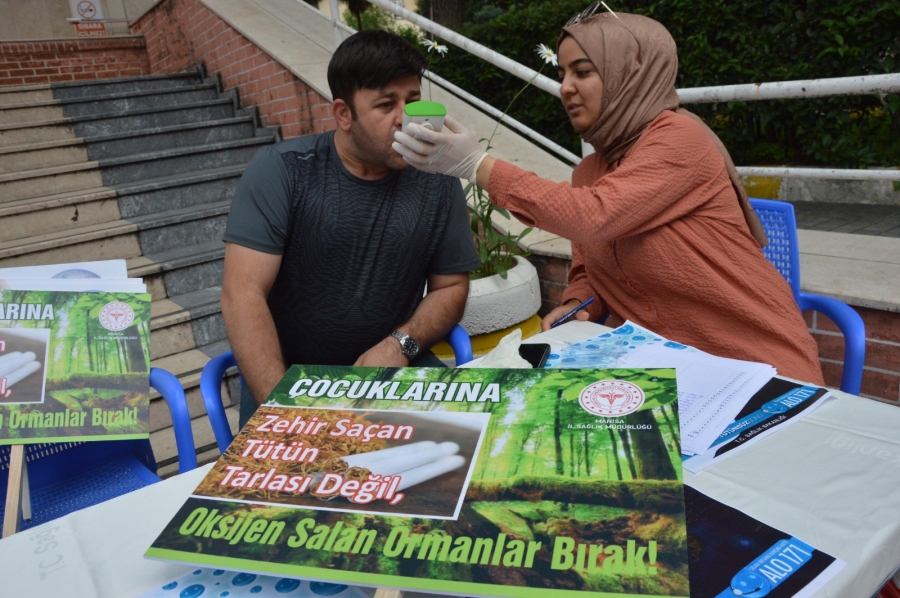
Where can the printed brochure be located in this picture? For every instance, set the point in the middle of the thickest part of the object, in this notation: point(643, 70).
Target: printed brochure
point(519, 483)
point(733, 554)
point(74, 366)
point(777, 404)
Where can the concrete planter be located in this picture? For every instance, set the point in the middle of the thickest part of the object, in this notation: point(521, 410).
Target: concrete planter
point(495, 303)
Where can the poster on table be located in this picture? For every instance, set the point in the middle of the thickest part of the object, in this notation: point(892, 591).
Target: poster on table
point(733, 554)
point(520, 483)
point(74, 366)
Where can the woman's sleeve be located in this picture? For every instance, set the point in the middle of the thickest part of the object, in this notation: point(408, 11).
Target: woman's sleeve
point(580, 288)
point(644, 192)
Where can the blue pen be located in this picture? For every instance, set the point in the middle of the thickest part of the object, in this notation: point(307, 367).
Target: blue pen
point(571, 314)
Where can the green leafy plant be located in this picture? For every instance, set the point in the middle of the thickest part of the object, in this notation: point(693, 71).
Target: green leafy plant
point(724, 43)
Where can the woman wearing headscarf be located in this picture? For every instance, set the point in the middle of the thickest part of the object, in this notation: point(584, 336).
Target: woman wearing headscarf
point(662, 232)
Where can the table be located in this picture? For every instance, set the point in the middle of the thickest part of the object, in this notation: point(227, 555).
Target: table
point(832, 479)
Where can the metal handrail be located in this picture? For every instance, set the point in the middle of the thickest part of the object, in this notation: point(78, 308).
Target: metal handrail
point(862, 85)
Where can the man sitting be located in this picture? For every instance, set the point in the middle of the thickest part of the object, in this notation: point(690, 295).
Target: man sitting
point(331, 238)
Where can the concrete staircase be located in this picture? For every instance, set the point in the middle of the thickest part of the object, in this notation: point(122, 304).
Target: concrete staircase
point(143, 169)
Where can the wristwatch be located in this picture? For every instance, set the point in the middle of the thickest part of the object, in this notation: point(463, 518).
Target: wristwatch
point(408, 344)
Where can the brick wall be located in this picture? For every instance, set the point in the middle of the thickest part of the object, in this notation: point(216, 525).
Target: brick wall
point(881, 371)
point(55, 61)
point(180, 34)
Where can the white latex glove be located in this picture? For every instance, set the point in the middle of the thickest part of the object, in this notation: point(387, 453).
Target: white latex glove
point(454, 151)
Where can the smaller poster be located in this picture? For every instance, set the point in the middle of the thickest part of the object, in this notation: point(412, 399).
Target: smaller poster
point(776, 405)
point(732, 554)
point(74, 366)
point(72, 270)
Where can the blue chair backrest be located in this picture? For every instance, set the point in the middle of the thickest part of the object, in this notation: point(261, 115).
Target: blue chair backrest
point(778, 220)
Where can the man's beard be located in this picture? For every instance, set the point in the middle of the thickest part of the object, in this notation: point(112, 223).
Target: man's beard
point(373, 150)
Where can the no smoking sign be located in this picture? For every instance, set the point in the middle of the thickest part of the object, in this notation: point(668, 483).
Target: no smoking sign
point(86, 10)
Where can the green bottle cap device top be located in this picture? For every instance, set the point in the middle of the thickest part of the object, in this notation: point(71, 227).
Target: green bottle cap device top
point(425, 108)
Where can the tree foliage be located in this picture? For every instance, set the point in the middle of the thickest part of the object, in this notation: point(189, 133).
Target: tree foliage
point(722, 43)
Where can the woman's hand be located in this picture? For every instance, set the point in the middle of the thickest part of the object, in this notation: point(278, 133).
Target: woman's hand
point(454, 151)
point(562, 310)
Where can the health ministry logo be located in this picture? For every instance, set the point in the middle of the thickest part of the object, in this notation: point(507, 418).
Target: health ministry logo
point(611, 398)
point(116, 316)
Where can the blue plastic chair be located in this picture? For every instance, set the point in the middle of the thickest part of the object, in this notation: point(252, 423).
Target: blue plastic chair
point(783, 252)
point(214, 372)
point(67, 477)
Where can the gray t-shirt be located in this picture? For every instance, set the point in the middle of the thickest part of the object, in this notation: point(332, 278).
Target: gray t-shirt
point(355, 253)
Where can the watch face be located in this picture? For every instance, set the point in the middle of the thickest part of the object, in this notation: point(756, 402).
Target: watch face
point(411, 346)
point(408, 344)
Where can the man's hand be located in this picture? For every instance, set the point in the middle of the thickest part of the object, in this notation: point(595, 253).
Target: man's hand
point(387, 353)
point(454, 151)
point(562, 310)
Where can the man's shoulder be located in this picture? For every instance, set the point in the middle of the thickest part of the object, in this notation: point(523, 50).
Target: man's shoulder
point(308, 144)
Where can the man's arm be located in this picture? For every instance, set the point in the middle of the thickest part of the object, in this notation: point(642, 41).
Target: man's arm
point(249, 275)
point(440, 309)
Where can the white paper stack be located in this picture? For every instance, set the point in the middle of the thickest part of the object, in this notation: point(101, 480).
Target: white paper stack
point(711, 390)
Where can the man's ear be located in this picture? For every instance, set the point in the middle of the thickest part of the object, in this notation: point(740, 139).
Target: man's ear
point(342, 114)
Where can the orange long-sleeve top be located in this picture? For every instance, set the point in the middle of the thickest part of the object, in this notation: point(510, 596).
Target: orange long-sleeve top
point(659, 238)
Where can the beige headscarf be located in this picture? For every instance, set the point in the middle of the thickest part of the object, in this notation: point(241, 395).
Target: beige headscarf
point(637, 61)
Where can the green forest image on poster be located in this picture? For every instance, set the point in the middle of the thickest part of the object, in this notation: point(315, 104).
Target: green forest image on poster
point(74, 366)
point(556, 482)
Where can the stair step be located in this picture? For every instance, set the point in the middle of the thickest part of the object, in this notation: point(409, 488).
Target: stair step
point(178, 191)
point(101, 87)
point(42, 155)
point(51, 213)
point(181, 270)
point(176, 228)
point(181, 228)
point(138, 167)
point(109, 124)
point(139, 100)
point(37, 112)
point(61, 211)
point(180, 160)
point(22, 134)
point(50, 180)
point(105, 241)
point(139, 120)
point(186, 321)
point(162, 138)
point(25, 95)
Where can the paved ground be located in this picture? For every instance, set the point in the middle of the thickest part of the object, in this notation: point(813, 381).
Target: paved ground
point(883, 221)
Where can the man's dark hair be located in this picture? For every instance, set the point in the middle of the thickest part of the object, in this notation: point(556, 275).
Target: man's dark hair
point(371, 60)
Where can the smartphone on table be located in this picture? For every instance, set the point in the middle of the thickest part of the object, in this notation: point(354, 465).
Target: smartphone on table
point(535, 353)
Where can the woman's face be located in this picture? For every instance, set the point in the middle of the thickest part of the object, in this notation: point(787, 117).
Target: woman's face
point(581, 88)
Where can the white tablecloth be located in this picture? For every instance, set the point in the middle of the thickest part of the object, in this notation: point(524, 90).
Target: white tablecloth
point(832, 480)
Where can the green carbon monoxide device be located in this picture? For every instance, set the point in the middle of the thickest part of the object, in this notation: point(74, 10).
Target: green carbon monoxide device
point(425, 113)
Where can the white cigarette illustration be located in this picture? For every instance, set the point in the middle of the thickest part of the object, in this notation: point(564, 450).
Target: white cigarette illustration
point(413, 463)
point(423, 473)
point(401, 458)
point(14, 361)
point(22, 372)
